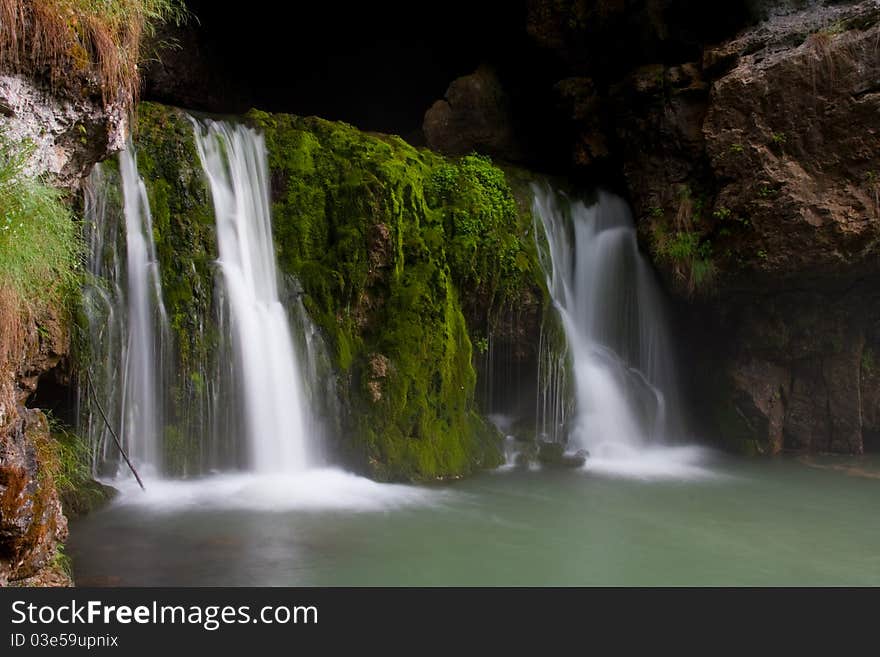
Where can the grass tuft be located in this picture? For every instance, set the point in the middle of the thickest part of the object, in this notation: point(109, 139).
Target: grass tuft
point(40, 247)
point(101, 38)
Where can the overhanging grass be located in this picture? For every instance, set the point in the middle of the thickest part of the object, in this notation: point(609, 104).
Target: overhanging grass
point(101, 37)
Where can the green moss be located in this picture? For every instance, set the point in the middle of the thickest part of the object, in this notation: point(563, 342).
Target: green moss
point(402, 256)
point(183, 230)
point(183, 220)
point(399, 251)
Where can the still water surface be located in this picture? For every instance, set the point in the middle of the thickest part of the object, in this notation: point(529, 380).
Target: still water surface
point(695, 519)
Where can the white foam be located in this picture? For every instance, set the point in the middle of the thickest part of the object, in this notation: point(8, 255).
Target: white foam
point(684, 463)
point(313, 490)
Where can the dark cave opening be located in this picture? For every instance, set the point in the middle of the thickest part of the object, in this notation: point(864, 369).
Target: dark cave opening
point(371, 65)
point(55, 395)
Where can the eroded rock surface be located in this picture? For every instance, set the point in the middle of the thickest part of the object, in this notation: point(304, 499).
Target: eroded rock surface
point(68, 133)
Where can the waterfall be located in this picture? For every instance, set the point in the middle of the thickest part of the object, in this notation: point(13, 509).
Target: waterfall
point(141, 407)
point(256, 399)
point(129, 348)
point(265, 361)
point(611, 311)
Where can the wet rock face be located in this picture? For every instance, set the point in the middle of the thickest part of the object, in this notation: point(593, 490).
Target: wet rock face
point(188, 72)
point(798, 371)
point(792, 140)
point(32, 524)
point(759, 143)
point(69, 132)
point(31, 520)
point(783, 152)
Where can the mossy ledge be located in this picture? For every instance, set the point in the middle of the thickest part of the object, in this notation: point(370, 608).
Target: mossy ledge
point(404, 259)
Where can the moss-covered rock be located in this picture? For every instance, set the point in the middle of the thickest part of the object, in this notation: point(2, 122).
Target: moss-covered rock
point(395, 247)
point(404, 257)
point(186, 247)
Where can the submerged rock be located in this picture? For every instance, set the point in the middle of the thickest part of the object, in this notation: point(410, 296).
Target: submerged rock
point(554, 454)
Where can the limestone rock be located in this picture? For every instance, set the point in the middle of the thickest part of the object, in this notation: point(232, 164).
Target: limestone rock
point(69, 133)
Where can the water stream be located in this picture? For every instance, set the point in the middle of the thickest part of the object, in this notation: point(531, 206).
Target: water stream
point(627, 409)
point(273, 403)
point(128, 324)
point(726, 522)
point(252, 407)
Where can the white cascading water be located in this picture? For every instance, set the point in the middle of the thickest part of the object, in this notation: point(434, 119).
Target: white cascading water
point(261, 388)
point(275, 413)
point(128, 323)
point(626, 404)
point(101, 297)
point(141, 408)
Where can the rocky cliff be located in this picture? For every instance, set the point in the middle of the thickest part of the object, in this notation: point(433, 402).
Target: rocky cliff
point(61, 138)
point(751, 160)
point(32, 524)
point(68, 76)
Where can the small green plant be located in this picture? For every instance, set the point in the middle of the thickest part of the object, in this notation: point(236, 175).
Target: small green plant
point(762, 254)
point(766, 191)
point(722, 213)
point(655, 211)
point(698, 205)
point(689, 254)
point(67, 457)
point(62, 561)
point(482, 345)
point(838, 27)
point(737, 148)
point(778, 138)
point(873, 183)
